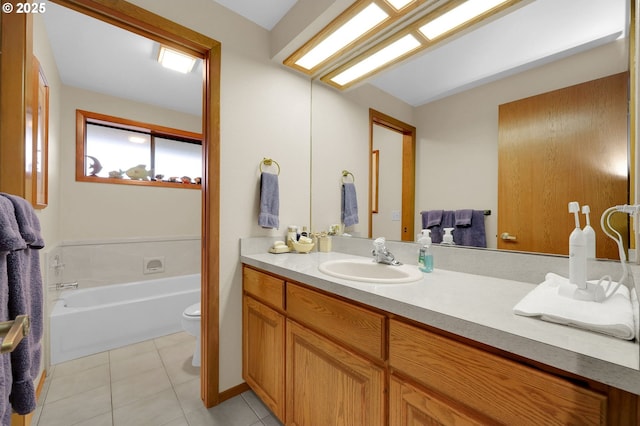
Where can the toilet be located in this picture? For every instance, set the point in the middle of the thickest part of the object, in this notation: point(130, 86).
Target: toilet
point(191, 324)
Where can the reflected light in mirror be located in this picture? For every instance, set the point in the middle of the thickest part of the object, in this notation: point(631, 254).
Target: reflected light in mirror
point(399, 4)
point(457, 16)
point(378, 59)
point(364, 21)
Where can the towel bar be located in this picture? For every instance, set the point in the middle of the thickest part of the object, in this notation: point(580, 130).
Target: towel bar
point(269, 162)
point(13, 333)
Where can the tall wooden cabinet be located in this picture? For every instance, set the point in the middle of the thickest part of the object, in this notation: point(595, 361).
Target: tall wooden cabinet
point(319, 360)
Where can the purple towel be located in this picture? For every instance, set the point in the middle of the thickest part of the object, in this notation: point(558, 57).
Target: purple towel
point(434, 218)
point(473, 235)
point(25, 297)
point(269, 201)
point(463, 217)
point(349, 200)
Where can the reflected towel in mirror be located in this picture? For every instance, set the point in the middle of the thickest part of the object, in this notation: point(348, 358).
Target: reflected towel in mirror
point(613, 317)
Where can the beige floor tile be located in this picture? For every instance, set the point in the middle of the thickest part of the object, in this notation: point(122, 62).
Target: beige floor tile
point(174, 339)
point(189, 395)
point(233, 412)
point(157, 409)
point(177, 361)
point(105, 419)
point(131, 350)
point(74, 384)
point(123, 368)
point(77, 365)
point(140, 386)
point(78, 408)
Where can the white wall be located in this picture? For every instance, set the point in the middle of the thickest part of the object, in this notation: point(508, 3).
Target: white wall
point(457, 152)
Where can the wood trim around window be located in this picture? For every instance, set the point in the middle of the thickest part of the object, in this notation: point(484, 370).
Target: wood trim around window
point(82, 117)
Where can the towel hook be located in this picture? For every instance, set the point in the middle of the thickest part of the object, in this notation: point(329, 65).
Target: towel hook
point(346, 173)
point(13, 332)
point(269, 162)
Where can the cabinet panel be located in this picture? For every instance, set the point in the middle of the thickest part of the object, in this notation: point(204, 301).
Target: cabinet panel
point(502, 389)
point(410, 406)
point(356, 327)
point(328, 385)
point(264, 287)
point(263, 353)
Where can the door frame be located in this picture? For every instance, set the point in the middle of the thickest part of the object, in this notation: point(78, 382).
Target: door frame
point(408, 170)
point(155, 27)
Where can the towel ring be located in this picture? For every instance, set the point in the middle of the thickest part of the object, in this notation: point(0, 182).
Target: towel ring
point(269, 162)
point(346, 173)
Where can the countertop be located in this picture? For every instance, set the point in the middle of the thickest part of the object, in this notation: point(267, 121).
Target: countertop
point(476, 307)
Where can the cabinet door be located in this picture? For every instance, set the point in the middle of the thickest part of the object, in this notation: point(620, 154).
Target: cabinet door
point(263, 353)
point(328, 385)
point(411, 406)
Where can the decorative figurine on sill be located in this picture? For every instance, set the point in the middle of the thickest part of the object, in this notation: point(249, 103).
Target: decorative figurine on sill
point(116, 174)
point(95, 166)
point(138, 172)
point(159, 178)
point(198, 180)
point(185, 179)
point(174, 179)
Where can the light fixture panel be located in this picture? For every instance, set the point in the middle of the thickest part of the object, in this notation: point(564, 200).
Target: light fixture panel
point(175, 60)
point(457, 16)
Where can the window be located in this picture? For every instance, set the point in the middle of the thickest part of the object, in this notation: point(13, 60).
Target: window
point(116, 150)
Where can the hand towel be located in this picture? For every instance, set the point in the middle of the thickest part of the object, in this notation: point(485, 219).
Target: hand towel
point(472, 235)
point(463, 217)
point(25, 297)
point(613, 317)
point(434, 218)
point(269, 201)
point(349, 210)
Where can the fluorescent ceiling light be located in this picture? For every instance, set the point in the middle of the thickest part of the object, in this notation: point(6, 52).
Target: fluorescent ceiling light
point(378, 59)
point(175, 60)
point(457, 16)
point(137, 139)
point(399, 4)
point(368, 18)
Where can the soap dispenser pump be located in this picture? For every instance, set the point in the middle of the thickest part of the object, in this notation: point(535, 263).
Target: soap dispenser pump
point(577, 251)
point(590, 234)
point(425, 258)
point(447, 238)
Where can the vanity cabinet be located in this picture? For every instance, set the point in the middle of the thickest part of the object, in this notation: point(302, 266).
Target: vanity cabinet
point(319, 359)
point(263, 338)
point(482, 383)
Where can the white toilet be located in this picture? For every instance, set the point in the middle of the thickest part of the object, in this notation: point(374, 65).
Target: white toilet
point(191, 324)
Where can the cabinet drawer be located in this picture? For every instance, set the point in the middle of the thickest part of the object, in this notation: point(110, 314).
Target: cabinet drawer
point(353, 326)
point(502, 389)
point(264, 287)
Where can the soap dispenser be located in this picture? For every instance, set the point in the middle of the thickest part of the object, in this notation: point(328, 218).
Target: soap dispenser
point(590, 234)
point(447, 238)
point(425, 258)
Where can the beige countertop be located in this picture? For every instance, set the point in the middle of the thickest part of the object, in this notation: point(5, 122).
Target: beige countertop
point(476, 307)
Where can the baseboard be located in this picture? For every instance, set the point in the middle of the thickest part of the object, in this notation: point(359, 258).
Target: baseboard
point(234, 391)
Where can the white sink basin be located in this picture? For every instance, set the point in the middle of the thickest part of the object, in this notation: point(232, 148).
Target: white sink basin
point(368, 271)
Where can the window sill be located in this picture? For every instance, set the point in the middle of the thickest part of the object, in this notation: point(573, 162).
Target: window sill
point(151, 183)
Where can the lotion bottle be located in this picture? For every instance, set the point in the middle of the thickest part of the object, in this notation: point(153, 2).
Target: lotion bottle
point(425, 257)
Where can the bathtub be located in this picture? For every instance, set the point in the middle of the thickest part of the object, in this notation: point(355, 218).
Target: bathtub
point(88, 321)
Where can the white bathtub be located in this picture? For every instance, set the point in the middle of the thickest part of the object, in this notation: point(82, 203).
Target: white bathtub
point(88, 321)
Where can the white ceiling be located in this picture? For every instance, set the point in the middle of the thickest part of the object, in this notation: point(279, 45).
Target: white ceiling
point(535, 33)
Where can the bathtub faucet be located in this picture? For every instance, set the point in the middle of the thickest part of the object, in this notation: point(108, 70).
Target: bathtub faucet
point(64, 286)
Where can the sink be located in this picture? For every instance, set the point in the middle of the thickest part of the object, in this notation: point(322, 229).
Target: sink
point(369, 271)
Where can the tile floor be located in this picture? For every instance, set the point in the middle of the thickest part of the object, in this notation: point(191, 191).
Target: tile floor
point(150, 383)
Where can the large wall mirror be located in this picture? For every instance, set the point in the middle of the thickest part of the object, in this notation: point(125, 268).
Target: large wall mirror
point(458, 125)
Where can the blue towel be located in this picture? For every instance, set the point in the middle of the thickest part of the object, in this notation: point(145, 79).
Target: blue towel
point(463, 217)
point(269, 201)
point(349, 210)
point(433, 218)
point(473, 235)
point(25, 298)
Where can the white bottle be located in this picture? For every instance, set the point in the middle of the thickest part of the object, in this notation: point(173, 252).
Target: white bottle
point(447, 238)
point(425, 258)
point(577, 251)
point(590, 234)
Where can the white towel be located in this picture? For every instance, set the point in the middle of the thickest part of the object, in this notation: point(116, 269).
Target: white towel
point(613, 317)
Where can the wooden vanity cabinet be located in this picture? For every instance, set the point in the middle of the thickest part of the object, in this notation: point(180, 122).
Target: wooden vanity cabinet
point(263, 338)
point(484, 384)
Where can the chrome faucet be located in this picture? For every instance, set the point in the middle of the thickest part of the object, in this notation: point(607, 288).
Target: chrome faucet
point(381, 254)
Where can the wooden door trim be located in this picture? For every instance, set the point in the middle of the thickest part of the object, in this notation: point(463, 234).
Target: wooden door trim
point(408, 169)
point(142, 22)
